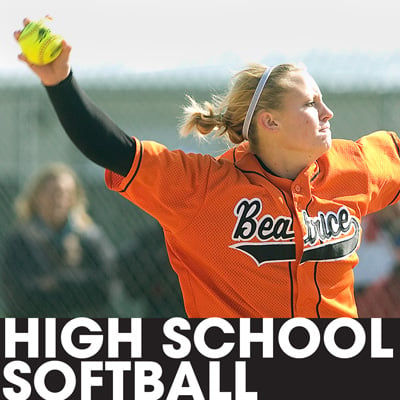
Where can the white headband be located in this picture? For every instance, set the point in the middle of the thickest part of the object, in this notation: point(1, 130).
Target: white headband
point(254, 101)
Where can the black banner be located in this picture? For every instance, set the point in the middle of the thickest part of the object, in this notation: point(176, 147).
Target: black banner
point(213, 359)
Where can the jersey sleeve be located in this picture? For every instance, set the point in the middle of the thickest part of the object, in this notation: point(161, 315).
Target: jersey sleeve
point(168, 185)
point(381, 154)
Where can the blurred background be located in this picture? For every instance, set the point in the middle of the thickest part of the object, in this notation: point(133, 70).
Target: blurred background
point(139, 59)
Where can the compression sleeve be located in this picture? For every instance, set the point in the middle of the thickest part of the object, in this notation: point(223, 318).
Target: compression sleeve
point(90, 129)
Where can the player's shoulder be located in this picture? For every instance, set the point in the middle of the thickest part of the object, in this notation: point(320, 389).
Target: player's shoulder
point(379, 138)
point(353, 154)
point(375, 139)
point(235, 153)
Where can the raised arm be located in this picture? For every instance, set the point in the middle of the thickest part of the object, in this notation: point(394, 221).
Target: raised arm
point(89, 128)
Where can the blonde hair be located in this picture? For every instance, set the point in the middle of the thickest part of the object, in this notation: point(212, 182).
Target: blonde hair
point(25, 203)
point(225, 114)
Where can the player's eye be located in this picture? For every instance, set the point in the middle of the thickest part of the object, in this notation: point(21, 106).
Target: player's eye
point(311, 104)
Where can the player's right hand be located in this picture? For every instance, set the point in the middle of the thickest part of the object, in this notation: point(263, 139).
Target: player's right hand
point(53, 73)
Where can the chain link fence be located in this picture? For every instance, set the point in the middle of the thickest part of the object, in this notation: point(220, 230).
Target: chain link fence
point(147, 106)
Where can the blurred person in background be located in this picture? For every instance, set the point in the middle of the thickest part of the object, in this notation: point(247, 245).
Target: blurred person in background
point(381, 298)
point(377, 255)
point(56, 261)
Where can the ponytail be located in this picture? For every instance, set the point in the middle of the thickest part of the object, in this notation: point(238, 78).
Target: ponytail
point(206, 118)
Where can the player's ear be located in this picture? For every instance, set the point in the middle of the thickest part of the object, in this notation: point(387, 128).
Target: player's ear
point(267, 120)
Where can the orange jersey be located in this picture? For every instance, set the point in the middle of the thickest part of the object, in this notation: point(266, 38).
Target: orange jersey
point(246, 243)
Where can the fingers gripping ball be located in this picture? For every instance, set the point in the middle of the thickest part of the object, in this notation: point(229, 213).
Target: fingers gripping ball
point(39, 45)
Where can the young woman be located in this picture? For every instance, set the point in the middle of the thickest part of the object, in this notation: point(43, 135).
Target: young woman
point(268, 229)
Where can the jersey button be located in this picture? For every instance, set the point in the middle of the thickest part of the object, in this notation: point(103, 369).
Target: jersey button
point(297, 188)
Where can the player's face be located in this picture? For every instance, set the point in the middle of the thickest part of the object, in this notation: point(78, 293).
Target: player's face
point(304, 118)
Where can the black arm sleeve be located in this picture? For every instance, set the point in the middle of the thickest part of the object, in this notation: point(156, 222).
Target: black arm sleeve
point(90, 129)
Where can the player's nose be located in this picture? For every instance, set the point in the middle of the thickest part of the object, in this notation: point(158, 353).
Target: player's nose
point(325, 113)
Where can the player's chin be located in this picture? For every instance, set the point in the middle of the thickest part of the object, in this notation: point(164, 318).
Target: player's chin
point(323, 143)
point(325, 137)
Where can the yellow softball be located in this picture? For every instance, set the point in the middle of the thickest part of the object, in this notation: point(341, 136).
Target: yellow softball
point(39, 45)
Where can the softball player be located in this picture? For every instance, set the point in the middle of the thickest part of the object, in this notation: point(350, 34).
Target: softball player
point(271, 227)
